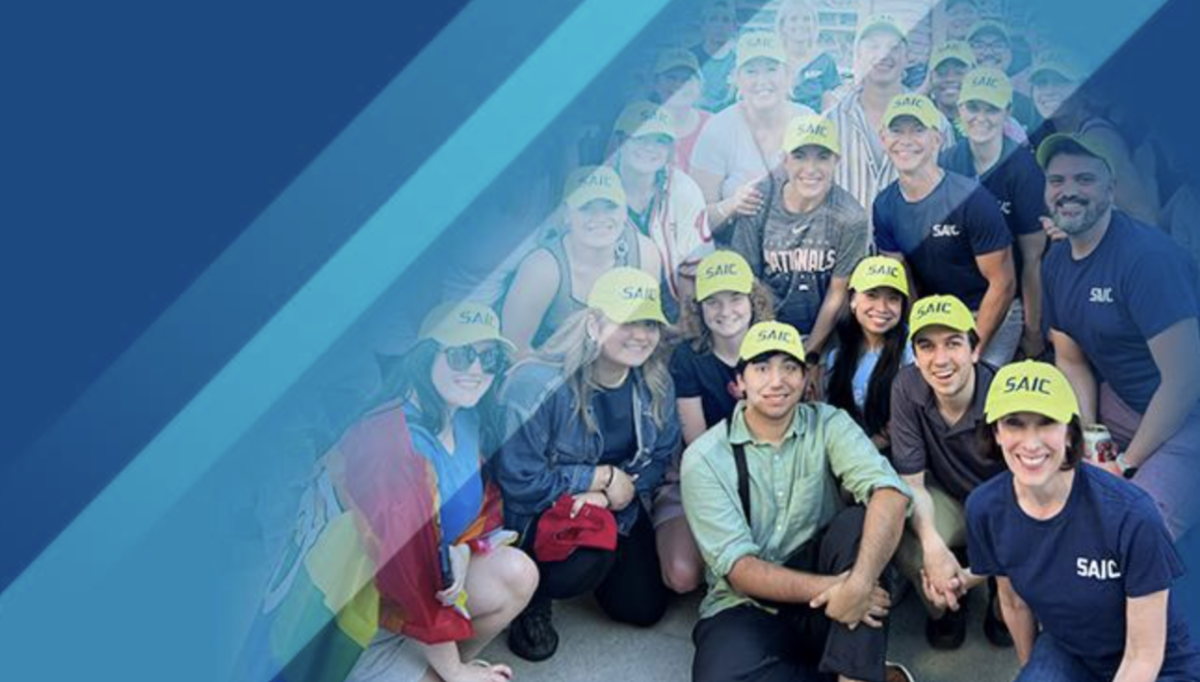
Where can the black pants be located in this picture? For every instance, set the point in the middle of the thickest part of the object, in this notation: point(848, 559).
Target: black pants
point(748, 644)
point(627, 581)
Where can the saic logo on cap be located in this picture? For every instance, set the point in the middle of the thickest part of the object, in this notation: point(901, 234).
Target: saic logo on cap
point(636, 293)
point(934, 308)
point(1027, 385)
point(985, 81)
point(477, 317)
point(722, 270)
point(883, 271)
point(760, 41)
point(914, 101)
point(781, 335)
point(596, 180)
point(815, 129)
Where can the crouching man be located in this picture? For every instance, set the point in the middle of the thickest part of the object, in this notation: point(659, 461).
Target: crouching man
point(793, 573)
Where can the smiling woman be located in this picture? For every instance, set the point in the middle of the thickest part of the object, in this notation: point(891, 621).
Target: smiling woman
point(1082, 552)
point(591, 424)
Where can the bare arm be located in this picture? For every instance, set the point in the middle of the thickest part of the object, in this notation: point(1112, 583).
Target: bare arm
point(710, 186)
point(881, 534)
point(1019, 618)
point(835, 300)
point(691, 417)
point(1032, 247)
point(1145, 638)
point(1070, 359)
point(997, 268)
point(1176, 352)
point(764, 580)
point(528, 298)
point(942, 568)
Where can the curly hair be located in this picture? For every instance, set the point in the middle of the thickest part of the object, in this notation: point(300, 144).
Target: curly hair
point(691, 317)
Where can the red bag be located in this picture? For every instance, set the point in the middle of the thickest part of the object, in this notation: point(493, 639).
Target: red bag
point(558, 534)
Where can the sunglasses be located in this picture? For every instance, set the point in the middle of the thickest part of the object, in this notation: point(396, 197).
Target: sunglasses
point(460, 358)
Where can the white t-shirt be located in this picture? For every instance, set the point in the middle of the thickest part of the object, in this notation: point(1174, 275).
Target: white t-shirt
point(726, 148)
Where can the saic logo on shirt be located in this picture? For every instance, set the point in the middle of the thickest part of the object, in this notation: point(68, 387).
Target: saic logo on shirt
point(1098, 569)
point(1100, 295)
point(943, 230)
point(1006, 207)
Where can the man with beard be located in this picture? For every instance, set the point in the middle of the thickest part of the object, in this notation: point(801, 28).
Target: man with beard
point(1119, 298)
point(793, 572)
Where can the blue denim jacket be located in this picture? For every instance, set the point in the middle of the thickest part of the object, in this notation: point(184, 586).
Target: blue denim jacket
point(548, 452)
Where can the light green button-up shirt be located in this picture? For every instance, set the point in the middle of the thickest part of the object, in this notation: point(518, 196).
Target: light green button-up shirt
point(794, 490)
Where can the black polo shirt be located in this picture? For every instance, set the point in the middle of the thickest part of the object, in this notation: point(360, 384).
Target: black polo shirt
point(922, 441)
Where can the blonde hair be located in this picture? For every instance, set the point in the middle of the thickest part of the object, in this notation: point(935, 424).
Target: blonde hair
point(573, 351)
point(691, 317)
point(790, 7)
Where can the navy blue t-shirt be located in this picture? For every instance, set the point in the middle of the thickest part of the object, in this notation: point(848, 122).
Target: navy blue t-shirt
point(704, 376)
point(941, 235)
point(614, 416)
point(1016, 181)
point(1077, 569)
point(1133, 286)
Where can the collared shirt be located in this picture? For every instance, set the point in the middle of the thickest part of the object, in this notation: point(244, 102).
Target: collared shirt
point(794, 490)
point(922, 441)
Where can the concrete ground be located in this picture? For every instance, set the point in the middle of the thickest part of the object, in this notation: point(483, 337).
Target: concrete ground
point(593, 649)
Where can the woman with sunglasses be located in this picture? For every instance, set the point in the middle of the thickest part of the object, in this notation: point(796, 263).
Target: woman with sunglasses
point(727, 302)
point(428, 514)
point(591, 417)
point(1081, 552)
point(552, 282)
point(872, 346)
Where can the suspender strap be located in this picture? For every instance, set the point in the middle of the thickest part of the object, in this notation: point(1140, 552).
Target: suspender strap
point(743, 474)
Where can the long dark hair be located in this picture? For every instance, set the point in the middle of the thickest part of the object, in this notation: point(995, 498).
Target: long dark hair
point(877, 408)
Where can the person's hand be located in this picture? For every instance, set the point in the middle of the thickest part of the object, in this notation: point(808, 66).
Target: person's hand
point(460, 559)
point(852, 601)
point(814, 384)
point(1033, 344)
point(478, 671)
point(945, 575)
point(1111, 467)
point(1052, 231)
point(746, 201)
point(581, 499)
point(621, 491)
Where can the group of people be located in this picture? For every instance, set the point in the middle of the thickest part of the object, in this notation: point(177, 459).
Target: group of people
point(799, 360)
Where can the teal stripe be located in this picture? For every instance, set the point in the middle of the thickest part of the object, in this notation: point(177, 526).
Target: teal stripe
point(56, 585)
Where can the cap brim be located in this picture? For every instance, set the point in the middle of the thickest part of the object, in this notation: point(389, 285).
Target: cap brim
point(1056, 143)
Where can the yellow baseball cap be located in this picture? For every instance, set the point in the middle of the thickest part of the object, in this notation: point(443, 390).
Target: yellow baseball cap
point(919, 107)
point(989, 25)
point(1031, 386)
point(676, 58)
point(814, 130)
point(987, 84)
point(1055, 62)
point(886, 22)
point(952, 49)
point(593, 182)
point(461, 324)
point(627, 295)
point(940, 311)
point(1075, 142)
point(723, 271)
point(766, 337)
point(644, 118)
point(759, 45)
point(879, 271)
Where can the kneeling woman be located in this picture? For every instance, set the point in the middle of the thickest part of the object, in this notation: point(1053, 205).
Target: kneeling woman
point(728, 301)
point(872, 346)
point(592, 417)
point(1075, 548)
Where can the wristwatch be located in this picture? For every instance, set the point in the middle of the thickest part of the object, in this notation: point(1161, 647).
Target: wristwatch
point(812, 358)
point(1127, 469)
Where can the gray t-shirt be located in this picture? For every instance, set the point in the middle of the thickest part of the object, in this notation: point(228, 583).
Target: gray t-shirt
point(797, 254)
point(922, 441)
